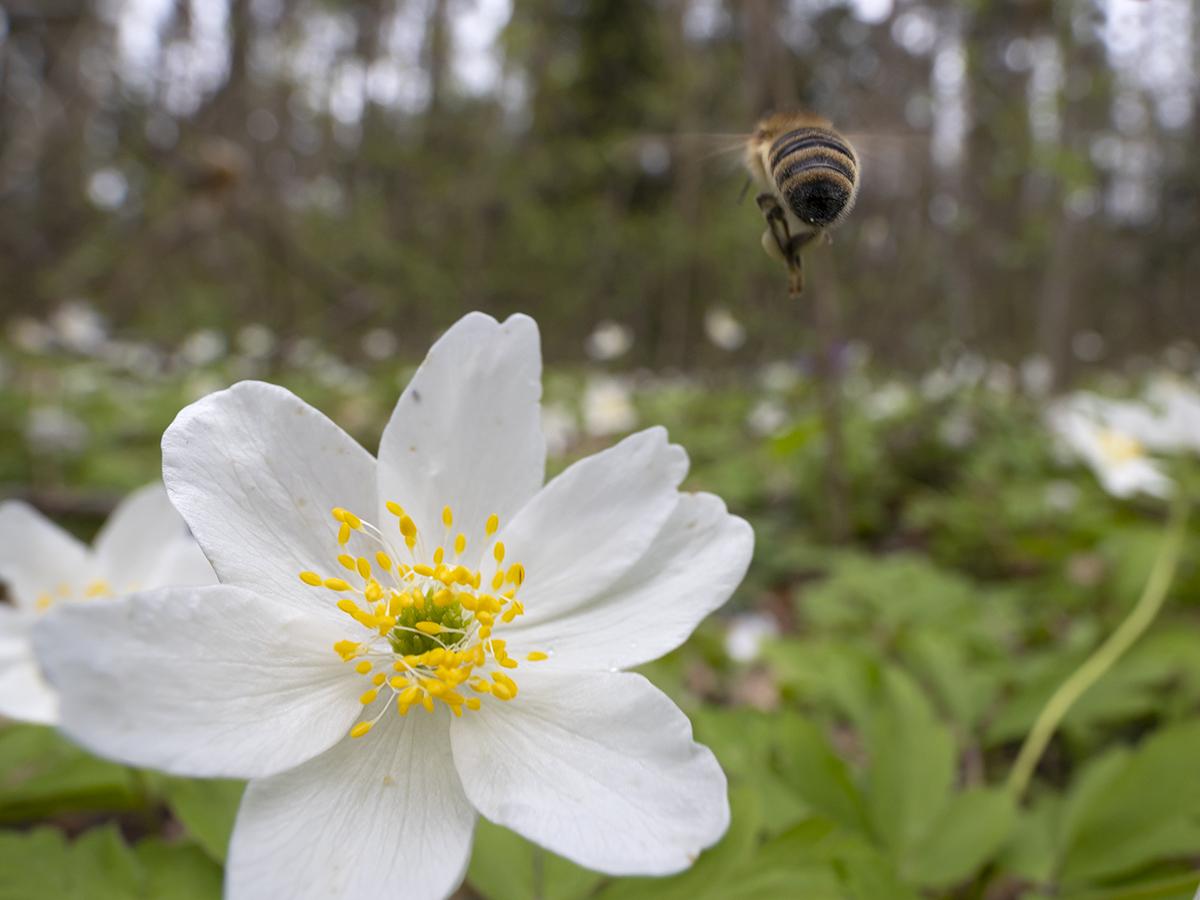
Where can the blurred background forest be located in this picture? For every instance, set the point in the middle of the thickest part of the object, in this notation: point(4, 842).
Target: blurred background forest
point(193, 192)
point(1031, 181)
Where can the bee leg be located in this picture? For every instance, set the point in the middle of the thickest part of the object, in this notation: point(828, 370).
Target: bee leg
point(777, 226)
point(795, 262)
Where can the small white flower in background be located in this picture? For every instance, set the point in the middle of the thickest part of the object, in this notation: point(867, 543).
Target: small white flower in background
point(379, 344)
point(256, 340)
point(1061, 496)
point(607, 407)
point(1037, 376)
point(30, 335)
point(53, 430)
point(608, 341)
point(766, 418)
point(559, 427)
point(957, 430)
point(202, 348)
point(746, 633)
point(79, 328)
point(1108, 435)
point(144, 544)
point(1176, 401)
point(779, 377)
point(723, 329)
point(400, 645)
point(888, 400)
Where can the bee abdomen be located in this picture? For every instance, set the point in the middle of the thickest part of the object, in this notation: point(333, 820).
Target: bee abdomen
point(815, 171)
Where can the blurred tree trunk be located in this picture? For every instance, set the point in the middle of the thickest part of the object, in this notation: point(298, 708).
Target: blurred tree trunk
point(769, 82)
point(437, 64)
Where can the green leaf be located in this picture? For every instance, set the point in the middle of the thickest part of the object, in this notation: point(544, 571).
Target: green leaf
point(1134, 808)
point(809, 765)
point(103, 867)
point(912, 764)
point(42, 774)
point(505, 866)
point(178, 871)
point(207, 808)
point(971, 829)
point(34, 865)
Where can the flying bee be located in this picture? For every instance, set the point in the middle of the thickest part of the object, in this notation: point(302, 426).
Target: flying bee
point(809, 173)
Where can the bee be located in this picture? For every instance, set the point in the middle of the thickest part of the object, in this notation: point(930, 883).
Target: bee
point(809, 173)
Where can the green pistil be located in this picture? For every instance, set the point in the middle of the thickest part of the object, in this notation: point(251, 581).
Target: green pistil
point(406, 642)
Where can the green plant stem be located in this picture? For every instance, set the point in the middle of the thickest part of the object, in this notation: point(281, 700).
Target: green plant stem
point(1106, 655)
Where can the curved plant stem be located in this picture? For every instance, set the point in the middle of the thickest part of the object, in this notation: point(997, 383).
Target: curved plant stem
point(1097, 665)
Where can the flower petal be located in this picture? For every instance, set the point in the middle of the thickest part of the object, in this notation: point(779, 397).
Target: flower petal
point(379, 816)
point(467, 431)
point(36, 555)
point(255, 471)
point(129, 546)
point(208, 681)
point(181, 564)
point(690, 568)
point(589, 525)
point(24, 694)
point(599, 768)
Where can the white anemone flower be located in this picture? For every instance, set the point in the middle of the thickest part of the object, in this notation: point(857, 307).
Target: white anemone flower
point(401, 644)
point(607, 407)
point(143, 545)
point(1108, 436)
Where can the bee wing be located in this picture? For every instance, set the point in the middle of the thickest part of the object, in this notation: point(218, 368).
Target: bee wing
point(656, 152)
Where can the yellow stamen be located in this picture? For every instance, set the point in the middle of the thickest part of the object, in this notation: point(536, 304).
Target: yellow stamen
point(447, 516)
point(312, 579)
point(369, 697)
point(498, 551)
point(493, 523)
point(537, 656)
point(360, 729)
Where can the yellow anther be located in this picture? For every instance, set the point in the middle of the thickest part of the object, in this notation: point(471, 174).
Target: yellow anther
point(516, 574)
point(497, 581)
point(368, 697)
point(338, 513)
point(379, 679)
point(336, 584)
point(384, 561)
point(346, 649)
point(493, 523)
point(346, 561)
point(453, 698)
point(410, 542)
point(537, 656)
point(457, 710)
point(409, 695)
point(349, 607)
point(394, 508)
point(508, 662)
point(447, 516)
point(435, 657)
point(429, 628)
point(473, 703)
point(344, 534)
point(374, 591)
point(498, 551)
point(427, 702)
point(364, 567)
point(480, 686)
point(422, 569)
point(460, 544)
point(360, 729)
point(44, 601)
point(484, 633)
point(443, 598)
point(501, 678)
point(363, 667)
point(438, 555)
point(501, 692)
point(352, 520)
point(433, 686)
point(408, 527)
point(312, 579)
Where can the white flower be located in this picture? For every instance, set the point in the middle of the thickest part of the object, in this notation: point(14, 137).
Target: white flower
point(766, 418)
point(256, 340)
point(79, 327)
point(607, 407)
point(559, 428)
point(448, 642)
point(608, 341)
point(723, 330)
point(746, 633)
point(202, 348)
point(1104, 434)
point(1177, 403)
point(51, 429)
point(144, 544)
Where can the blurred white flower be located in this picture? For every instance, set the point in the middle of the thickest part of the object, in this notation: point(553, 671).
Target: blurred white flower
point(379, 344)
point(887, 401)
point(956, 430)
point(607, 407)
point(143, 545)
point(382, 687)
point(779, 376)
point(1061, 496)
point(79, 328)
point(608, 341)
point(766, 418)
point(133, 357)
point(745, 635)
point(51, 429)
point(203, 347)
point(30, 335)
point(1000, 379)
point(1037, 376)
point(1104, 435)
point(1177, 404)
point(559, 427)
point(256, 340)
point(723, 329)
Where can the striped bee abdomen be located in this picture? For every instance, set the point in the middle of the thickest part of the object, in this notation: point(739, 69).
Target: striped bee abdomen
point(816, 173)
